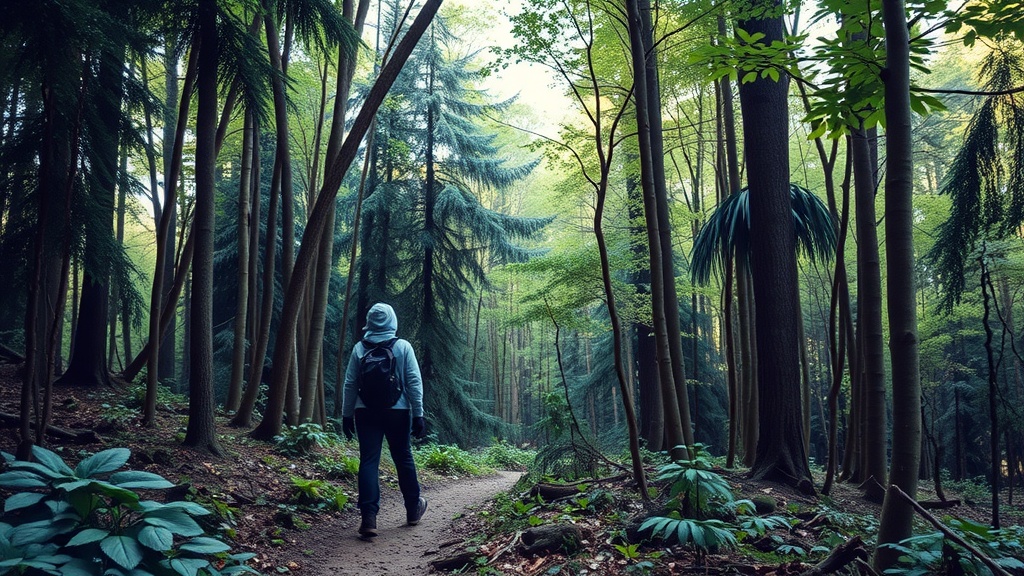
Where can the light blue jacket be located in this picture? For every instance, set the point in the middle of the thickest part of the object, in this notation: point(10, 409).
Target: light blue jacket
point(381, 325)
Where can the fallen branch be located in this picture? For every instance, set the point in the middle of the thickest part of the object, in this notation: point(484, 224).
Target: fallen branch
point(846, 553)
point(72, 434)
point(549, 538)
point(501, 552)
point(456, 562)
point(939, 505)
point(9, 356)
point(995, 568)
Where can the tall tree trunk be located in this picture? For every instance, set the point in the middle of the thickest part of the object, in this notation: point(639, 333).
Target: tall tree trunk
point(780, 454)
point(657, 159)
point(201, 433)
point(271, 424)
point(172, 126)
point(897, 515)
point(869, 315)
point(282, 166)
point(88, 366)
point(242, 241)
point(675, 420)
point(164, 247)
point(995, 461)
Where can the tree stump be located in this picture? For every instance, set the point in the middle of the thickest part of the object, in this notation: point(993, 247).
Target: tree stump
point(552, 538)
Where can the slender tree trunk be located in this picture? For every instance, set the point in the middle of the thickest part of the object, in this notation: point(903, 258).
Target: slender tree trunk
point(164, 247)
point(271, 424)
point(171, 152)
point(242, 299)
point(897, 515)
point(995, 461)
point(869, 314)
point(657, 159)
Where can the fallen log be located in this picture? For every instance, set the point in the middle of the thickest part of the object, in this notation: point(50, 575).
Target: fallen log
point(846, 553)
point(552, 492)
point(995, 568)
point(552, 538)
point(456, 562)
point(939, 504)
point(71, 434)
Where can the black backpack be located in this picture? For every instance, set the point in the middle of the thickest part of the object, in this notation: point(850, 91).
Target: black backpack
point(379, 385)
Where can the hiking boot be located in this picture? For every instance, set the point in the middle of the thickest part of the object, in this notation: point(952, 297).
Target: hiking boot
point(413, 516)
point(368, 527)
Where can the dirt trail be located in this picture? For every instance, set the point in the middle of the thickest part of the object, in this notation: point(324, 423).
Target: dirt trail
point(336, 549)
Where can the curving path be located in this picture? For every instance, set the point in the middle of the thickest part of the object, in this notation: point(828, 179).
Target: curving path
point(336, 550)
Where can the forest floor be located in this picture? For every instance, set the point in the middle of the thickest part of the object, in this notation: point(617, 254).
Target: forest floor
point(476, 524)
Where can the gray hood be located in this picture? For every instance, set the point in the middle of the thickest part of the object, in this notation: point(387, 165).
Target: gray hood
point(381, 323)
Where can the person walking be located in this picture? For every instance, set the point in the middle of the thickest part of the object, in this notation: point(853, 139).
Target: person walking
point(383, 398)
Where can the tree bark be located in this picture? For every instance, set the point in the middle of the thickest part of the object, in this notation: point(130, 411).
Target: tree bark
point(201, 433)
point(271, 424)
point(780, 454)
point(896, 519)
point(242, 241)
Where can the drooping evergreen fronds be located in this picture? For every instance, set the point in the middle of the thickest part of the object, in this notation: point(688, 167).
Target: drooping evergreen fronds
point(727, 231)
point(985, 180)
point(319, 23)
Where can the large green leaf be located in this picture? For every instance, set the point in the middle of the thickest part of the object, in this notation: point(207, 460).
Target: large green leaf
point(40, 469)
point(190, 507)
point(34, 533)
point(176, 521)
point(88, 536)
point(186, 566)
point(51, 460)
point(102, 462)
point(156, 538)
point(22, 500)
point(21, 479)
point(205, 545)
point(122, 549)
point(81, 567)
point(140, 479)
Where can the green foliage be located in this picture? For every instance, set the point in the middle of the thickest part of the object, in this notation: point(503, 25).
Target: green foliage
point(317, 494)
point(90, 521)
point(934, 554)
point(504, 456)
point(694, 485)
point(340, 467)
point(302, 439)
point(728, 231)
point(446, 459)
point(165, 398)
point(703, 535)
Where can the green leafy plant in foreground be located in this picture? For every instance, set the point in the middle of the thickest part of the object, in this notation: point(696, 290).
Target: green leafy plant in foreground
point(933, 553)
point(302, 439)
point(89, 521)
point(317, 494)
point(697, 492)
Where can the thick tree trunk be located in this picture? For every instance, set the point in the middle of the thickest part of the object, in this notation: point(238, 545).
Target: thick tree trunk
point(897, 515)
point(88, 364)
point(780, 454)
point(201, 433)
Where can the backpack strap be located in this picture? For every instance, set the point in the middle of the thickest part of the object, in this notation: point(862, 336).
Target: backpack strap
point(389, 344)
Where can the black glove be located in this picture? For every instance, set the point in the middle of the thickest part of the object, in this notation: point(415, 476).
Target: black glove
point(419, 426)
point(348, 426)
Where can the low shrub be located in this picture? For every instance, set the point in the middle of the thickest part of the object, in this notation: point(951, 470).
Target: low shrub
point(89, 521)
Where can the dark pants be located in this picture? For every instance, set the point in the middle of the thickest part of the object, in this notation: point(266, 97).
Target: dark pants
point(372, 427)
